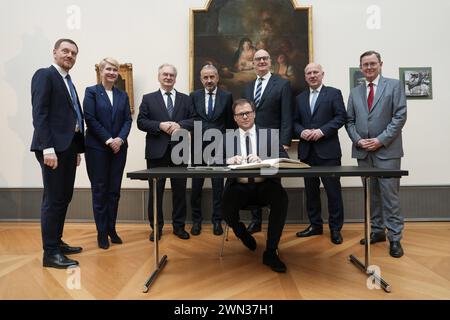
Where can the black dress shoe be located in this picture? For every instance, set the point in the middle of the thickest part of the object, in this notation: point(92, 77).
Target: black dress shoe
point(374, 238)
point(271, 259)
point(152, 235)
point(217, 229)
point(181, 233)
point(336, 236)
point(395, 249)
point(58, 261)
point(196, 229)
point(248, 240)
point(102, 240)
point(310, 231)
point(115, 237)
point(254, 226)
point(66, 249)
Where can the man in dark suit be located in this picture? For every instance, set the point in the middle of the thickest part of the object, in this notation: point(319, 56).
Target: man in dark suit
point(213, 110)
point(273, 99)
point(248, 144)
point(376, 114)
point(161, 114)
point(319, 113)
point(57, 143)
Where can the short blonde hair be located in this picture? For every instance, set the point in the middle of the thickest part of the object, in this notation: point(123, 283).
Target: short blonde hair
point(110, 61)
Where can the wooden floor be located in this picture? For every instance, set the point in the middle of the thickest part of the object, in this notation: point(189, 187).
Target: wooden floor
point(317, 269)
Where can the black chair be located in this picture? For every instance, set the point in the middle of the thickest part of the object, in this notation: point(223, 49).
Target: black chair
point(227, 227)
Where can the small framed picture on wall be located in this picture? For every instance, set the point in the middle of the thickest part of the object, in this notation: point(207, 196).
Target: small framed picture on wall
point(417, 82)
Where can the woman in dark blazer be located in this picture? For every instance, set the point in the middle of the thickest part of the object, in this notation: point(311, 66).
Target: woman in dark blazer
point(108, 120)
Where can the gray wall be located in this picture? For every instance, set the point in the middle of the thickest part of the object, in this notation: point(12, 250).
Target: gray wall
point(421, 203)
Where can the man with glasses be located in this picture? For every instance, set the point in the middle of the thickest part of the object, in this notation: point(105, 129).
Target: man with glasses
point(161, 114)
point(273, 99)
point(245, 145)
point(376, 114)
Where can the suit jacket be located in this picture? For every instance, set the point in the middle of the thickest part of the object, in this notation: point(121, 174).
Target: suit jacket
point(54, 118)
point(329, 115)
point(384, 121)
point(104, 120)
point(222, 117)
point(275, 109)
point(231, 146)
point(153, 111)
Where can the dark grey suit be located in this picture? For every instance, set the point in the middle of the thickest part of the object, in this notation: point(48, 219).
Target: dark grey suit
point(384, 121)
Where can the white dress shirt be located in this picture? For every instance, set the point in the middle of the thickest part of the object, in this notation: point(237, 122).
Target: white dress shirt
point(213, 96)
point(265, 79)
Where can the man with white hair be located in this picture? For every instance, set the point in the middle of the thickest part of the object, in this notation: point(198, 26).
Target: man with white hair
point(161, 114)
point(319, 114)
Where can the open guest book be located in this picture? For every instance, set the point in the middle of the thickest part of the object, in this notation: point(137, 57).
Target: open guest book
point(272, 163)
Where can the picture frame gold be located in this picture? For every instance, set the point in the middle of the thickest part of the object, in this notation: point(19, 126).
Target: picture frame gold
point(279, 26)
point(124, 82)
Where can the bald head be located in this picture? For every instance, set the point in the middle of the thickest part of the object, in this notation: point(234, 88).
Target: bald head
point(262, 62)
point(314, 75)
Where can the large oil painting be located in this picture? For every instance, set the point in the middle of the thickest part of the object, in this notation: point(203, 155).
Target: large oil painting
point(227, 33)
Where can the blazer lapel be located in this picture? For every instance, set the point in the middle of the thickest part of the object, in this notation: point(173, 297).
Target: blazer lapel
point(322, 94)
point(362, 89)
point(116, 97)
point(201, 105)
point(379, 93)
point(63, 86)
point(176, 106)
point(161, 104)
point(269, 86)
point(218, 105)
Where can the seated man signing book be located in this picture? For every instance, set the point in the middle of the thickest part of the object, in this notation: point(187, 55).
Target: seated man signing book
point(250, 144)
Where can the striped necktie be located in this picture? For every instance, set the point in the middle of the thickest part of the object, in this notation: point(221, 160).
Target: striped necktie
point(258, 92)
point(169, 104)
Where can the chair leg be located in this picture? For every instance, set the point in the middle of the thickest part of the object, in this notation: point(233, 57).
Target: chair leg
point(224, 238)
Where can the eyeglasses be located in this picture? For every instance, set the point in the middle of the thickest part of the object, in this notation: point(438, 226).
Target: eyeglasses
point(263, 58)
point(243, 114)
point(371, 64)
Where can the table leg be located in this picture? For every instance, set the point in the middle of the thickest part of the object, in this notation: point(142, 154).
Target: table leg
point(159, 264)
point(367, 214)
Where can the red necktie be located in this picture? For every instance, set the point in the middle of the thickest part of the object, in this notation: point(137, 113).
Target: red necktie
point(370, 97)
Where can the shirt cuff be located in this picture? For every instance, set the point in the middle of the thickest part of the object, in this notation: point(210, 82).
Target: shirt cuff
point(49, 151)
point(109, 141)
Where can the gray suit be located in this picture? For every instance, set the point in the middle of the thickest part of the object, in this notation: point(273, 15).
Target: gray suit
point(384, 122)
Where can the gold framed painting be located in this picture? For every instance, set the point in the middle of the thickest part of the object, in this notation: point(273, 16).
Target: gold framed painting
point(228, 33)
point(124, 82)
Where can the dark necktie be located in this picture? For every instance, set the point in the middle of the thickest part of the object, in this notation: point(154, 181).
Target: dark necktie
point(258, 92)
point(210, 104)
point(248, 148)
point(169, 104)
point(73, 95)
point(370, 97)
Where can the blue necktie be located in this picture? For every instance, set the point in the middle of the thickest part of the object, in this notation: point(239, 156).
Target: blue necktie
point(73, 95)
point(313, 100)
point(169, 104)
point(210, 105)
point(258, 92)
